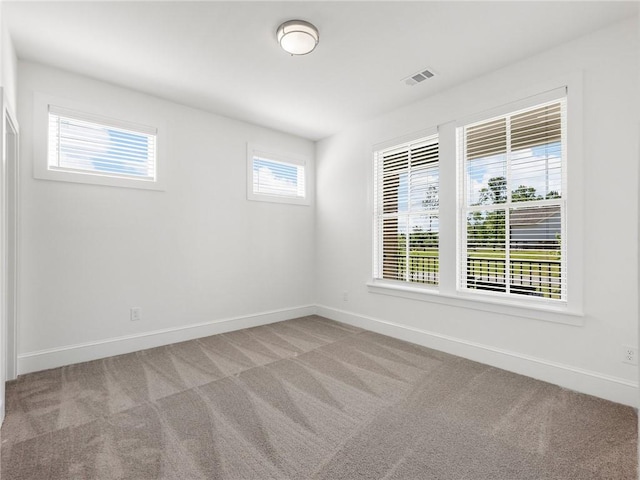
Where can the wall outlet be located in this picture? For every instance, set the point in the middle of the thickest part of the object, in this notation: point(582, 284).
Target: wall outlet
point(136, 314)
point(345, 296)
point(630, 354)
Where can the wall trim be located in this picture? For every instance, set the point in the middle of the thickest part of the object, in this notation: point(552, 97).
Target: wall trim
point(83, 352)
point(581, 380)
point(593, 383)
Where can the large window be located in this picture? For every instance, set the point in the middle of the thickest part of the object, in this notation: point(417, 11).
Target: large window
point(406, 223)
point(512, 204)
point(84, 144)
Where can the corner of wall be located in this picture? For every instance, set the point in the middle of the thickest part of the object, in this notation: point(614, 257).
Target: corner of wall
point(9, 66)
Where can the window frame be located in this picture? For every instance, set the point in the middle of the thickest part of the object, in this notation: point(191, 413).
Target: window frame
point(509, 111)
point(111, 116)
point(269, 154)
point(429, 136)
point(499, 102)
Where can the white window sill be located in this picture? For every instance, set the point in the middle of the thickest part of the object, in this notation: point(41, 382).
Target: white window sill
point(42, 173)
point(260, 197)
point(542, 311)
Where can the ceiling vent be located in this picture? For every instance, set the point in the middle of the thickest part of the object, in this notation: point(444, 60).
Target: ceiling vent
point(418, 77)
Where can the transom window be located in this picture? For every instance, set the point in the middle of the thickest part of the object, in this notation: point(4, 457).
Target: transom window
point(273, 177)
point(406, 223)
point(513, 197)
point(89, 145)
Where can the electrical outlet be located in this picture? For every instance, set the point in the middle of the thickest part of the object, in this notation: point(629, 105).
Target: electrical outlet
point(630, 354)
point(345, 296)
point(136, 314)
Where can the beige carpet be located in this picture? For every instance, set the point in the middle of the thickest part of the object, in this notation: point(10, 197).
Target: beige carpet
point(306, 399)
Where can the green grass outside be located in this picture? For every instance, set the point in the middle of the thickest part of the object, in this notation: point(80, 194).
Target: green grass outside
point(533, 255)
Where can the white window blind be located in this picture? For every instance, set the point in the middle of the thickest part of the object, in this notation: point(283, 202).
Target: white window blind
point(513, 197)
point(278, 178)
point(87, 144)
point(406, 220)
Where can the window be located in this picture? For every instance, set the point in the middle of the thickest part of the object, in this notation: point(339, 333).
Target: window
point(512, 198)
point(406, 223)
point(479, 216)
point(82, 144)
point(276, 178)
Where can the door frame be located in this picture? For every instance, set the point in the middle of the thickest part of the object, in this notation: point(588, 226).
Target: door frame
point(11, 164)
point(9, 184)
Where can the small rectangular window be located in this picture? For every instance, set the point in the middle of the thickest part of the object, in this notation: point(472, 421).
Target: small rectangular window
point(407, 222)
point(88, 145)
point(276, 178)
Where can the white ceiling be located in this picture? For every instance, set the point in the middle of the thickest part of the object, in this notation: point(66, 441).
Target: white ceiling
point(223, 56)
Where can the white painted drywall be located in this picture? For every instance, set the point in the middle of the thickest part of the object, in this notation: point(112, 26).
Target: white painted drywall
point(197, 252)
point(608, 61)
point(9, 69)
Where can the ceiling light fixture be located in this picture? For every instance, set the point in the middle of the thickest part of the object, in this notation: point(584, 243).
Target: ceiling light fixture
point(297, 37)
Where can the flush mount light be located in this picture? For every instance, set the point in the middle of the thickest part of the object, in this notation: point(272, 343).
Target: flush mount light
point(297, 37)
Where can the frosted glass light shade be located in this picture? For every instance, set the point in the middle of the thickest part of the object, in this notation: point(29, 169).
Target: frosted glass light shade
point(297, 37)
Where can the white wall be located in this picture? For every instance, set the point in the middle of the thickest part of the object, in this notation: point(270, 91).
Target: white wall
point(585, 358)
point(195, 254)
point(9, 69)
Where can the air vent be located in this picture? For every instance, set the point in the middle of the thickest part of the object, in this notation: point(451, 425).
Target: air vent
point(418, 77)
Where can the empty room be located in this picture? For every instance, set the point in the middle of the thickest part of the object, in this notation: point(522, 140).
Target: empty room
point(319, 240)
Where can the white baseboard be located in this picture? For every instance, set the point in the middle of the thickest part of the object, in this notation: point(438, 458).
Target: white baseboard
point(604, 386)
point(67, 355)
point(593, 383)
